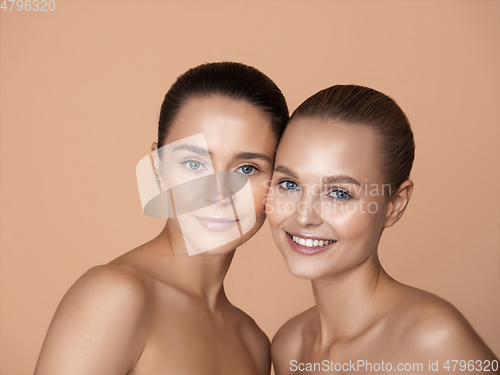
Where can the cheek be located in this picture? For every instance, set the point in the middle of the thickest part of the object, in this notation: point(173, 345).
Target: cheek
point(260, 193)
point(351, 226)
point(276, 207)
point(248, 212)
point(270, 208)
point(359, 222)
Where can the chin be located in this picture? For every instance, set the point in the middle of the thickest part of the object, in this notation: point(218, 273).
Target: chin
point(302, 270)
point(231, 246)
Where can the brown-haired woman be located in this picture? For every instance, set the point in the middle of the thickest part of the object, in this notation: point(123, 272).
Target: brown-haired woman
point(156, 309)
point(341, 177)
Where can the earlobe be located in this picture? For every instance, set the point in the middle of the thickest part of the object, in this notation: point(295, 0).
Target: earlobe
point(398, 203)
point(153, 155)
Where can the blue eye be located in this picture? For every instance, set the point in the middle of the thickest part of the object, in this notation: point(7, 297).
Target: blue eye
point(247, 169)
point(341, 194)
point(193, 165)
point(288, 185)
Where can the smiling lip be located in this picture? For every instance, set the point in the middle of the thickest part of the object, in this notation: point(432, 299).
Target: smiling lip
point(304, 249)
point(216, 223)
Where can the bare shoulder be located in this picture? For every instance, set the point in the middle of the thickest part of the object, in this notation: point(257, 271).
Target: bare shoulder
point(256, 341)
point(106, 286)
point(288, 341)
point(98, 325)
point(433, 327)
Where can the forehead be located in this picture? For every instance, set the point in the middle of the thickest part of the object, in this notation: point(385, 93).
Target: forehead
point(315, 148)
point(227, 125)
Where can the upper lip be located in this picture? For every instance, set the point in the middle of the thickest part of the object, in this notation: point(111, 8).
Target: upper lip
point(217, 219)
point(309, 236)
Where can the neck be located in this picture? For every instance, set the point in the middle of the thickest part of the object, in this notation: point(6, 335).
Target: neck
point(201, 275)
point(350, 302)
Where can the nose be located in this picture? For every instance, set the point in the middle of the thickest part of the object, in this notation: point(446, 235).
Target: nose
point(308, 210)
point(211, 191)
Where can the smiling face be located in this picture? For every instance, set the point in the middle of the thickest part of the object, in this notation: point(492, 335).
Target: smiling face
point(220, 153)
point(326, 205)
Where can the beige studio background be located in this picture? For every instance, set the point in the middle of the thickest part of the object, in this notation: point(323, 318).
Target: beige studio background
point(80, 93)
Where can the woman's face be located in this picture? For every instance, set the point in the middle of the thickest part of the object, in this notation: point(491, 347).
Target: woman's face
point(220, 156)
point(326, 206)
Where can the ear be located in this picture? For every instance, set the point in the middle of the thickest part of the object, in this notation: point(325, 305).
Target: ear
point(398, 203)
point(153, 157)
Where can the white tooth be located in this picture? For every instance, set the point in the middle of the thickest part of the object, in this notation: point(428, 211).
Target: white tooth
point(309, 242)
point(295, 238)
point(316, 242)
point(321, 243)
point(302, 241)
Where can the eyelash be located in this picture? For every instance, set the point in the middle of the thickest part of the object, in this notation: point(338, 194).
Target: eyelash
point(188, 160)
point(280, 182)
point(349, 195)
point(336, 189)
point(255, 166)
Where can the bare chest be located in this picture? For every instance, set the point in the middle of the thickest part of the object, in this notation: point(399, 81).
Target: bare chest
point(188, 341)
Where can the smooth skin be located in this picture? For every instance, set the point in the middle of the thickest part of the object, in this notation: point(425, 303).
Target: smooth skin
point(155, 310)
point(361, 312)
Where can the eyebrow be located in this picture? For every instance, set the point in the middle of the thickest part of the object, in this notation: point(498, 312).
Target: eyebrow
point(240, 155)
point(340, 179)
point(336, 179)
point(253, 155)
point(196, 149)
point(285, 170)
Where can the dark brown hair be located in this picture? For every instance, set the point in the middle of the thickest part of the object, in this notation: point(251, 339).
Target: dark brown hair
point(358, 105)
point(228, 79)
